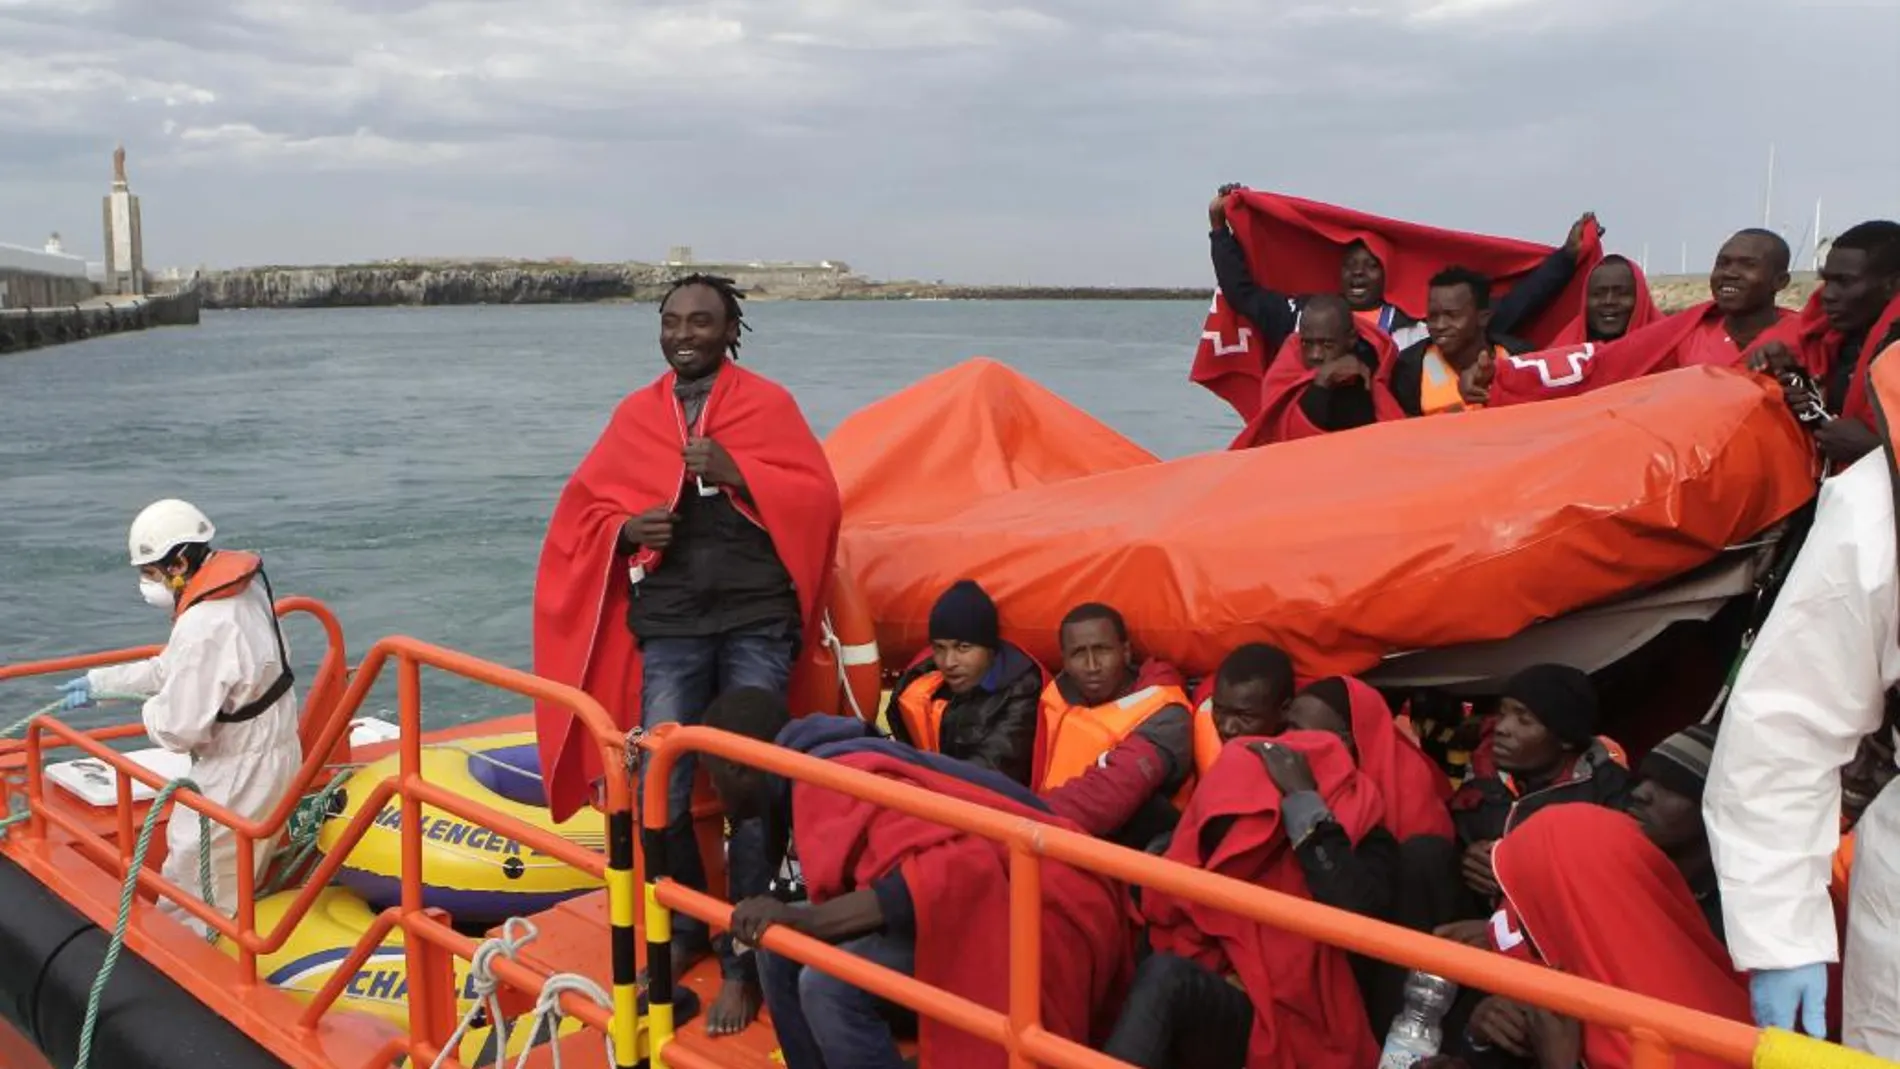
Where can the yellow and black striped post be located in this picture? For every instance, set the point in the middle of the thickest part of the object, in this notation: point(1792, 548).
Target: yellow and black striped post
point(659, 922)
point(620, 905)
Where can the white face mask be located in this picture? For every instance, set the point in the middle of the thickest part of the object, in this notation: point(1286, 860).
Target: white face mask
point(156, 594)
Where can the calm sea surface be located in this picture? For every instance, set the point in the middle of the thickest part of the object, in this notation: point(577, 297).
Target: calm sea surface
point(401, 464)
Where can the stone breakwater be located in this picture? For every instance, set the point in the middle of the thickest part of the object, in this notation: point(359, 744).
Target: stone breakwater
point(504, 282)
point(520, 282)
point(32, 328)
point(440, 283)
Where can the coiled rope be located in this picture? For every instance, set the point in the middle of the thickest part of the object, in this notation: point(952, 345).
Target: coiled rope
point(518, 932)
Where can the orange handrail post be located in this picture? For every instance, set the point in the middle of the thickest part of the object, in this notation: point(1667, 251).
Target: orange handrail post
point(1025, 946)
point(1658, 1028)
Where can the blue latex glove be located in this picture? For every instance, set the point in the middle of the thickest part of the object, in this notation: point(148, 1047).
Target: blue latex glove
point(1777, 994)
point(75, 694)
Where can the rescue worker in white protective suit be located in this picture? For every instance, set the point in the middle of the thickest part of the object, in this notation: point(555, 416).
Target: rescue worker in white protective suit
point(1812, 687)
point(220, 690)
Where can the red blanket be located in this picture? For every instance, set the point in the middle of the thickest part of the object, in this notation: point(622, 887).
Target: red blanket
point(1416, 793)
point(1307, 1010)
point(1295, 246)
point(1577, 331)
point(1277, 417)
point(1597, 900)
point(1578, 369)
point(959, 885)
point(581, 588)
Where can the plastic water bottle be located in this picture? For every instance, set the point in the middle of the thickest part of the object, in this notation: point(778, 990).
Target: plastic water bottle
point(1415, 1034)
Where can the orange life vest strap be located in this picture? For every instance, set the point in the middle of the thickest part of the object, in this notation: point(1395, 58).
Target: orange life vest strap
point(226, 574)
point(1207, 742)
point(923, 711)
point(1438, 385)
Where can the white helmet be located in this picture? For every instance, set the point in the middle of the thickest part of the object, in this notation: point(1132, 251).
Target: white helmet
point(164, 526)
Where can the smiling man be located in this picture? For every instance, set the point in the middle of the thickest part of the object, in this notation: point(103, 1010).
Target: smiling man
point(688, 556)
point(1749, 270)
point(1459, 317)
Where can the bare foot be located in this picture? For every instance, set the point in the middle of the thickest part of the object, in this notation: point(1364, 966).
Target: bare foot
point(736, 1007)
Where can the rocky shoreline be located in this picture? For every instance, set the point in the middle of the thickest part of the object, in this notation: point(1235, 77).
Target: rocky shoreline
point(510, 282)
point(522, 282)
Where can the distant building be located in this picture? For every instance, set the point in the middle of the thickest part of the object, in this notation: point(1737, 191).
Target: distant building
point(125, 245)
point(679, 256)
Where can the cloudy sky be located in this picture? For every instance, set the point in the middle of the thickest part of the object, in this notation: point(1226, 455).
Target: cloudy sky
point(1045, 140)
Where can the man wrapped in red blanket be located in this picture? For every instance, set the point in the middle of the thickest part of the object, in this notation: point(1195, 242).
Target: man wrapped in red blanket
point(688, 555)
point(1223, 990)
point(911, 895)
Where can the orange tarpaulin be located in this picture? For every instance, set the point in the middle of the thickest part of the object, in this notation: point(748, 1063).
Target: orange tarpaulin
point(1340, 548)
point(966, 433)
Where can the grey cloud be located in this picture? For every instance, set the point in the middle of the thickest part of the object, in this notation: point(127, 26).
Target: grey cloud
point(1061, 140)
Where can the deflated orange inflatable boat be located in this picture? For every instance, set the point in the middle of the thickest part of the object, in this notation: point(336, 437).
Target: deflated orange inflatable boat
point(1340, 549)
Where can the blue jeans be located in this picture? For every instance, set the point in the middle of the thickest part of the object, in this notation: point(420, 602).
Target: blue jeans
point(825, 1023)
point(680, 678)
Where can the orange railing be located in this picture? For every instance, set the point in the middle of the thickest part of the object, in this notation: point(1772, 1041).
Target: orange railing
point(1657, 1029)
point(430, 942)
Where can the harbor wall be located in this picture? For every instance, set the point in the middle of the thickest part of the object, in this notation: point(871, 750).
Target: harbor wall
point(32, 328)
point(504, 282)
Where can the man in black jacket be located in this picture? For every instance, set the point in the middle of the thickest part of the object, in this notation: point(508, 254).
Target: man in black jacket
point(974, 697)
point(1543, 751)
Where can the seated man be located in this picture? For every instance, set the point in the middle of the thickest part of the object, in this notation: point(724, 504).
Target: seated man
point(1221, 992)
point(1099, 700)
point(219, 691)
point(1667, 803)
point(1625, 918)
point(973, 697)
point(1337, 382)
point(1251, 690)
point(916, 897)
point(1458, 312)
point(1543, 751)
point(1406, 870)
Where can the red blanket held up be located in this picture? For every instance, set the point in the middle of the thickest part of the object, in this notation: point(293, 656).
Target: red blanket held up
point(1279, 418)
point(1295, 246)
point(1665, 345)
point(959, 885)
point(1415, 791)
point(1307, 1009)
point(1587, 894)
point(582, 587)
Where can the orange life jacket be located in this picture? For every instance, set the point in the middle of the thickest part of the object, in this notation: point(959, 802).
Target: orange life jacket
point(1207, 742)
point(226, 574)
point(923, 711)
point(1075, 736)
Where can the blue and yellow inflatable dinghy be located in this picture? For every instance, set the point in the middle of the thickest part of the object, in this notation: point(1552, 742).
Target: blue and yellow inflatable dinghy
point(480, 876)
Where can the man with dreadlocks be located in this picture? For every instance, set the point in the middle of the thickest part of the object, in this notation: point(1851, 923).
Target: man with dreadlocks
point(688, 555)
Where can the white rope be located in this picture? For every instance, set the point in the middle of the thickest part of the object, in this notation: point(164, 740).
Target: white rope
point(515, 934)
point(832, 640)
point(547, 1010)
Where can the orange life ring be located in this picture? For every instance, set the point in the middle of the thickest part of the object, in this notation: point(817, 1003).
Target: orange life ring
point(843, 674)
